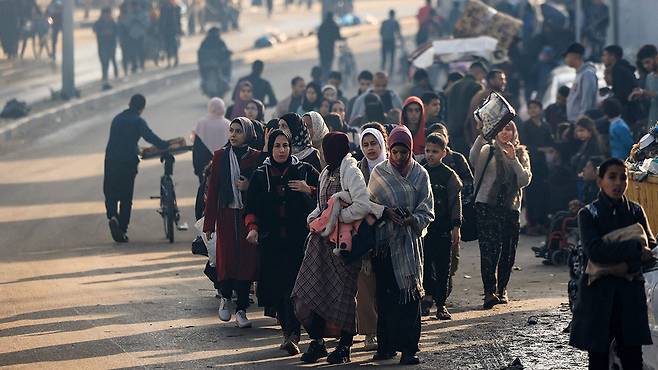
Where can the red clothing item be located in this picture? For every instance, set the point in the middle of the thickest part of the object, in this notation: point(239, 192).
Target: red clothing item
point(236, 258)
point(423, 14)
point(419, 135)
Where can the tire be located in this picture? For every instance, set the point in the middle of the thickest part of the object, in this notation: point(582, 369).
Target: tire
point(169, 226)
point(560, 257)
point(168, 204)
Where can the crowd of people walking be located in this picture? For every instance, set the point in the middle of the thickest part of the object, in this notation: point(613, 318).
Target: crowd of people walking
point(348, 213)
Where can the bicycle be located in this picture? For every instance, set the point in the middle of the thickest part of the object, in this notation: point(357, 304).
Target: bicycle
point(168, 207)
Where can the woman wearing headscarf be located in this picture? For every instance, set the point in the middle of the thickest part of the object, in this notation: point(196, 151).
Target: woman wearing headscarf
point(316, 127)
point(280, 197)
point(255, 110)
point(413, 117)
point(245, 95)
point(373, 146)
point(312, 98)
point(210, 134)
point(302, 147)
point(498, 206)
point(325, 290)
point(330, 93)
point(402, 186)
point(237, 260)
point(374, 111)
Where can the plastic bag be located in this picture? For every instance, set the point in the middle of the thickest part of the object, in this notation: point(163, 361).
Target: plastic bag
point(211, 244)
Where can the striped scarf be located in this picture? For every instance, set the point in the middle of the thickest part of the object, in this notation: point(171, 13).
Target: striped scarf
point(404, 243)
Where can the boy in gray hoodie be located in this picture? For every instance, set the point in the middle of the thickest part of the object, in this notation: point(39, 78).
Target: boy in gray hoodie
point(582, 96)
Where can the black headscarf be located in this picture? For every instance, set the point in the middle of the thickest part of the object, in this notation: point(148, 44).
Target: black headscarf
point(270, 149)
point(335, 146)
point(308, 106)
point(374, 109)
point(301, 139)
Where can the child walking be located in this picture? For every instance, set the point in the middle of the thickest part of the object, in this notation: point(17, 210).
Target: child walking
point(443, 234)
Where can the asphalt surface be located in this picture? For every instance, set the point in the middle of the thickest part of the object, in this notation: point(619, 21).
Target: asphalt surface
point(32, 80)
point(71, 298)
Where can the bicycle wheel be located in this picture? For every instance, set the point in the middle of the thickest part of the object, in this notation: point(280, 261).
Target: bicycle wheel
point(167, 204)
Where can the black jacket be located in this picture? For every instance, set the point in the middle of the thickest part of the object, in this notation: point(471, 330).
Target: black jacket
point(262, 90)
point(623, 80)
point(593, 308)
point(280, 214)
point(126, 130)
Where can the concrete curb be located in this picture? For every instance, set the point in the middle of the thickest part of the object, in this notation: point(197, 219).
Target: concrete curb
point(54, 118)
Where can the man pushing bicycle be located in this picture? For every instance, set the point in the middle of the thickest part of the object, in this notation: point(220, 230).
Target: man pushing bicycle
point(121, 161)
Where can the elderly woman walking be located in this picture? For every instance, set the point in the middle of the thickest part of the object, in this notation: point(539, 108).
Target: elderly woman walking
point(502, 170)
point(402, 186)
point(324, 295)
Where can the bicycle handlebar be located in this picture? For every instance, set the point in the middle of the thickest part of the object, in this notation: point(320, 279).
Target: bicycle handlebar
point(172, 151)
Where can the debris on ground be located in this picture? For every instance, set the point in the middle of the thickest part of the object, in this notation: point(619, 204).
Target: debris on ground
point(533, 320)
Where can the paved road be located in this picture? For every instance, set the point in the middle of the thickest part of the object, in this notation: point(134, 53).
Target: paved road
point(73, 299)
point(32, 80)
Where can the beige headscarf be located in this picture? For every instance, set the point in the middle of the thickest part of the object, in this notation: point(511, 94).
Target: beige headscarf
point(213, 129)
point(320, 129)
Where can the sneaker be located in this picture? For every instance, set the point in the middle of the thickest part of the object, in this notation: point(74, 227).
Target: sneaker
point(341, 355)
point(370, 343)
point(443, 314)
point(224, 313)
point(241, 320)
point(291, 345)
point(409, 359)
point(503, 298)
point(115, 230)
point(314, 352)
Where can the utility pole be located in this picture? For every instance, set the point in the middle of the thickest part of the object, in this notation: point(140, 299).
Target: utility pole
point(68, 63)
point(579, 19)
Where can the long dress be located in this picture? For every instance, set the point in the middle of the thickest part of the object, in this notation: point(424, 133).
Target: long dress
point(280, 214)
point(236, 258)
point(326, 285)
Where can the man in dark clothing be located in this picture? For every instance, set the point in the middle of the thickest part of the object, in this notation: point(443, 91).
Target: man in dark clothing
point(10, 26)
point(623, 79)
point(595, 29)
point(389, 31)
point(262, 89)
point(54, 11)
point(421, 84)
point(328, 34)
point(365, 81)
point(121, 163)
point(294, 101)
point(459, 100)
point(432, 103)
point(106, 30)
point(556, 113)
point(170, 29)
